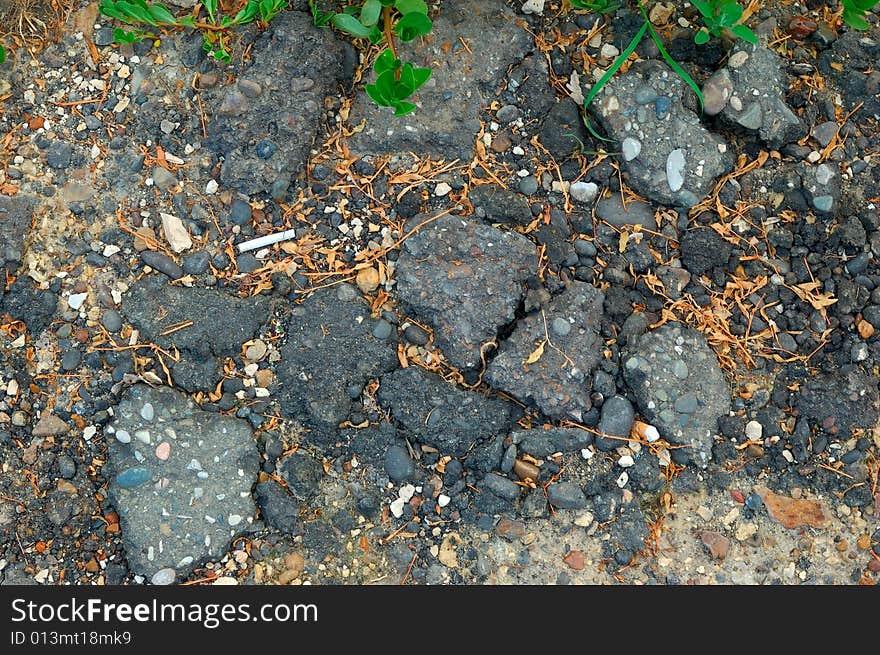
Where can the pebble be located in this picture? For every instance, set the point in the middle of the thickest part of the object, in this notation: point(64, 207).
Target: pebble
point(442, 189)
point(164, 577)
point(675, 164)
point(397, 507)
point(71, 359)
point(147, 412)
point(823, 203)
point(133, 477)
point(824, 174)
point(716, 92)
point(560, 326)
point(122, 436)
point(175, 233)
point(163, 178)
point(197, 262)
point(825, 132)
point(265, 149)
point(631, 148)
point(163, 451)
point(398, 464)
point(59, 155)
point(528, 185)
point(645, 95)
point(382, 330)
point(256, 350)
point(583, 192)
point(240, 212)
point(754, 430)
point(162, 263)
point(66, 467)
point(616, 420)
point(566, 495)
point(76, 300)
point(625, 461)
point(501, 487)
point(111, 320)
point(367, 279)
point(415, 335)
point(533, 7)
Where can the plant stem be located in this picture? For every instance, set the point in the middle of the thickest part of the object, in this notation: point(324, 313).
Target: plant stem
point(389, 36)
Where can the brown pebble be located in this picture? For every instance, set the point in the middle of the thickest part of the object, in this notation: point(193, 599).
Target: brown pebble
point(866, 330)
point(501, 142)
point(874, 565)
point(574, 559)
point(264, 378)
point(526, 470)
point(368, 279)
point(864, 542)
point(294, 562)
point(67, 487)
point(841, 546)
point(800, 27)
point(755, 451)
point(92, 566)
point(716, 543)
point(509, 529)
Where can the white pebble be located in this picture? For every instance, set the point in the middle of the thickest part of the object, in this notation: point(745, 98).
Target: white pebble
point(754, 430)
point(211, 187)
point(651, 434)
point(76, 300)
point(406, 492)
point(147, 412)
point(443, 500)
point(625, 462)
point(622, 479)
point(442, 189)
point(122, 436)
point(397, 507)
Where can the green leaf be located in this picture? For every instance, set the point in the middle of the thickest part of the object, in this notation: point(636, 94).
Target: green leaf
point(162, 15)
point(247, 13)
point(211, 8)
point(187, 21)
point(409, 6)
point(2, 53)
point(137, 12)
point(403, 108)
point(412, 26)
point(386, 61)
point(407, 82)
point(377, 95)
point(370, 12)
point(744, 33)
point(421, 75)
point(351, 25)
point(682, 73)
point(610, 73)
point(864, 5)
point(854, 19)
point(704, 8)
point(730, 14)
point(701, 37)
point(121, 36)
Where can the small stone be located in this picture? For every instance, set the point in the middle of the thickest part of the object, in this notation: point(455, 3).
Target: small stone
point(528, 185)
point(164, 577)
point(716, 92)
point(533, 7)
point(823, 203)
point(716, 543)
point(792, 512)
point(397, 507)
point(825, 132)
point(122, 436)
point(754, 430)
point(163, 451)
point(675, 164)
point(71, 359)
point(76, 300)
point(560, 326)
point(398, 464)
point(265, 149)
point(501, 487)
point(737, 59)
point(625, 461)
point(147, 412)
point(631, 148)
point(163, 178)
point(824, 174)
point(175, 233)
point(50, 425)
point(383, 330)
point(583, 192)
point(111, 320)
point(574, 559)
point(256, 351)
point(566, 495)
point(367, 279)
point(442, 189)
point(133, 477)
point(162, 263)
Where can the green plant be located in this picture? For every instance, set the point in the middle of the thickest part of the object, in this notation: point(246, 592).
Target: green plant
point(854, 12)
point(380, 21)
point(214, 29)
point(2, 53)
point(597, 6)
point(720, 16)
point(646, 28)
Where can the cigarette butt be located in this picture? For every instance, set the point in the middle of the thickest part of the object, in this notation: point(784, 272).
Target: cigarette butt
point(644, 431)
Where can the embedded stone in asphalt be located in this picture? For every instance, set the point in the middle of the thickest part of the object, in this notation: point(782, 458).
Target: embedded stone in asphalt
point(466, 279)
point(179, 510)
point(549, 359)
point(684, 409)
